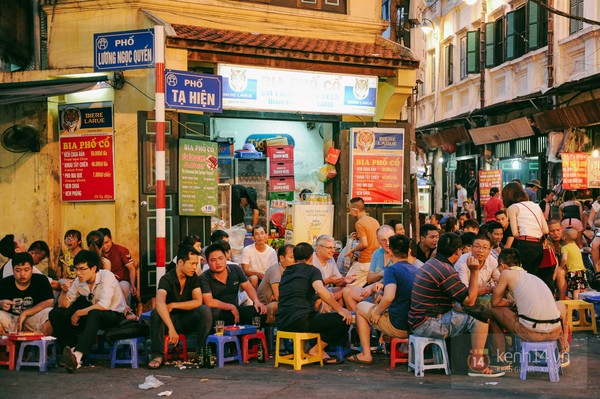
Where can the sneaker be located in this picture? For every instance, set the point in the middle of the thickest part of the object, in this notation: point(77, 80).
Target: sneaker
point(486, 373)
point(70, 360)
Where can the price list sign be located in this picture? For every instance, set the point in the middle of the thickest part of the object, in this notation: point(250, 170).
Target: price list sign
point(87, 168)
point(487, 180)
point(376, 165)
point(198, 178)
point(575, 170)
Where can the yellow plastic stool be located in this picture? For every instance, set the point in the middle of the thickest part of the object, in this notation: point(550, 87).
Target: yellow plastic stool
point(299, 357)
point(577, 304)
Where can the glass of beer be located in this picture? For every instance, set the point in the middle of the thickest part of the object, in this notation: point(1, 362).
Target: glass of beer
point(219, 327)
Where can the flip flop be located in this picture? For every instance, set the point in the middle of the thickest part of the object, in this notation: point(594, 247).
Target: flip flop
point(332, 360)
point(155, 366)
point(355, 359)
point(487, 373)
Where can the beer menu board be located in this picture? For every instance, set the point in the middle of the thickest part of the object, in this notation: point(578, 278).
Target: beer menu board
point(87, 152)
point(575, 170)
point(487, 180)
point(376, 165)
point(198, 178)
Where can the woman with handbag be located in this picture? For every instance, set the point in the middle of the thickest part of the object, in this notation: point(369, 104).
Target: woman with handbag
point(527, 224)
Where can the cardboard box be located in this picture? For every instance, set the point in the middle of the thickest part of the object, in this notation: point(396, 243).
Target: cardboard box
point(275, 141)
point(248, 154)
point(281, 153)
point(281, 168)
point(281, 184)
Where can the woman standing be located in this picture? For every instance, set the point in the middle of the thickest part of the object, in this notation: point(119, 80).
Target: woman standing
point(527, 224)
point(571, 214)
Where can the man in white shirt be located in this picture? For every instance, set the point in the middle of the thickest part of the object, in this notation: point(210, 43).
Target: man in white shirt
point(94, 302)
point(488, 265)
point(461, 197)
point(258, 257)
point(324, 261)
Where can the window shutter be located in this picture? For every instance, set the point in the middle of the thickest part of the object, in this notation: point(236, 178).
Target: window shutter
point(473, 51)
point(510, 35)
point(534, 30)
point(449, 64)
point(489, 45)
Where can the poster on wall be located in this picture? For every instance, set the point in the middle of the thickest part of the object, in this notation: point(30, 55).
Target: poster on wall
point(269, 89)
point(424, 201)
point(593, 172)
point(487, 180)
point(86, 152)
point(575, 170)
point(198, 178)
point(377, 165)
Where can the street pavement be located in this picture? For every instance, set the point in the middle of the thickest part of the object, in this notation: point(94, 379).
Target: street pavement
point(344, 381)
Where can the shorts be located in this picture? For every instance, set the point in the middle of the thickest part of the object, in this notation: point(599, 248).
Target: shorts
point(384, 323)
point(573, 223)
point(449, 324)
point(577, 280)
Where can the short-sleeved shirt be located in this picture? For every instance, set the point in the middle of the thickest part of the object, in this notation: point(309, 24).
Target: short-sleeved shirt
point(296, 293)
point(106, 292)
point(488, 274)
point(170, 283)
point(258, 262)
point(227, 292)
point(377, 261)
point(327, 269)
point(119, 256)
point(491, 207)
point(574, 258)
point(435, 289)
point(402, 274)
point(272, 276)
point(367, 226)
point(505, 234)
point(421, 255)
point(38, 291)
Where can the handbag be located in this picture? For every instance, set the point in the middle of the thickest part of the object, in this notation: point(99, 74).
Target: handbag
point(549, 259)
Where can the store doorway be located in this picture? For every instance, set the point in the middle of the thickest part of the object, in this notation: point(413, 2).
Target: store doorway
point(466, 174)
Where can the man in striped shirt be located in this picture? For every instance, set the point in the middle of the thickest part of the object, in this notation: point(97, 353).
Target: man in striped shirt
point(436, 287)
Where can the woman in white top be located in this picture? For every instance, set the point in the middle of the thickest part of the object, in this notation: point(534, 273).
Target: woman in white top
point(527, 224)
point(594, 222)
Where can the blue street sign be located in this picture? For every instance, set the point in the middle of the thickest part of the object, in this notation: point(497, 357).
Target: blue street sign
point(193, 91)
point(116, 51)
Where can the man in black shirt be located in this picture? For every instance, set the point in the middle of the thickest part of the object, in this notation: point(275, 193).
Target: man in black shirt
point(428, 243)
point(179, 307)
point(220, 286)
point(25, 298)
point(296, 312)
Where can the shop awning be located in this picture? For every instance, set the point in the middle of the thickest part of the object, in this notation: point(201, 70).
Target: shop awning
point(42, 89)
point(454, 135)
point(378, 58)
point(517, 128)
point(578, 115)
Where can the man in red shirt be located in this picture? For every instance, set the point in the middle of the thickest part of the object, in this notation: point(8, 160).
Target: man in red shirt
point(493, 205)
point(122, 264)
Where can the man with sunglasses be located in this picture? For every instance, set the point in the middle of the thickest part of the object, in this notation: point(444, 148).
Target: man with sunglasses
point(94, 302)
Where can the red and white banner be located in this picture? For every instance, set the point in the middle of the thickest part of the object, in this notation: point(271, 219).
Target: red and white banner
point(575, 170)
point(487, 180)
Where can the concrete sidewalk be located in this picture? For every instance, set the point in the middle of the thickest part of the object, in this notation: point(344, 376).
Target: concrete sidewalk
point(345, 381)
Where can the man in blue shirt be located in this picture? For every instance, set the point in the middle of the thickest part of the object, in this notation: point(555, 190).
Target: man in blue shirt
point(390, 315)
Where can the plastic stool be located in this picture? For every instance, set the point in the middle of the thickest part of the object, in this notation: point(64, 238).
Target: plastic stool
point(7, 358)
point(220, 341)
point(338, 351)
point(299, 357)
point(252, 352)
point(134, 357)
point(416, 358)
point(43, 359)
point(552, 358)
point(395, 355)
point(102, 351)
point(577, 304)
point(179, 352)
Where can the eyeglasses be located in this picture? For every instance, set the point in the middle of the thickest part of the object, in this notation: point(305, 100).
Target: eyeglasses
point(326, 247)
point(69, 239)
point(480, 248)
point(81, 269)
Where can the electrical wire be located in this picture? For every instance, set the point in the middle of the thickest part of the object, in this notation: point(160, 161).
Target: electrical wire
point(565, 14)
point(14, 163)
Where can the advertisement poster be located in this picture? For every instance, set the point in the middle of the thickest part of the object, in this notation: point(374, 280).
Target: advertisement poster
point(198, 178)
point(86, 152)
point(268, 89)
point(376, 165)
point(575, 170)
point(487, 180)
point(593, 172)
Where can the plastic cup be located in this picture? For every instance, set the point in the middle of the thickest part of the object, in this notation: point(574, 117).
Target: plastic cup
point(37, 328)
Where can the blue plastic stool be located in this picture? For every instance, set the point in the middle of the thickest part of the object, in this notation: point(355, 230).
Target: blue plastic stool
point(338, 351)
point(134, 356)
point(220, 341)
point(43, 359)
point(552, 359)
point(102, 351)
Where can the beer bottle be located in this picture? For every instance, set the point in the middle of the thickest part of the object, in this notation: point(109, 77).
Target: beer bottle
point(201, 356)
point(209, 360)
point(261, 352)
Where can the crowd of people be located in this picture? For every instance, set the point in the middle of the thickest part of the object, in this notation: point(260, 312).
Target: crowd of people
point(459, 278)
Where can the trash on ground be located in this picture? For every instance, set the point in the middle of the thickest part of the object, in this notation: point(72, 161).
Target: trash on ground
point(151, 382)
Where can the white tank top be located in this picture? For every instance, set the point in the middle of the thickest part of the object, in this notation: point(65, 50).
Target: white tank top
point(534, 300)
point(529, 219)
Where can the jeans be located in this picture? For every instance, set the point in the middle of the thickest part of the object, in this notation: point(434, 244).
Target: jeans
point(450, 324)
point(532, 254)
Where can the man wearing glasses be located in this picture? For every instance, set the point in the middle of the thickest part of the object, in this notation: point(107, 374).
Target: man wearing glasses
point(488, 265)
point(324, 261)
point(94, 302)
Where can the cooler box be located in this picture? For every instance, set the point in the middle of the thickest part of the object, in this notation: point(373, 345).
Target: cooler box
point(281, 153)
point(279, 184)
point(281, 168)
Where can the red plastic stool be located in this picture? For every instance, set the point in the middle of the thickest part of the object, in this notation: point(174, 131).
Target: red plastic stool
point(7, 358)
point(252, 352)
point(179, 351)
point(395, 355)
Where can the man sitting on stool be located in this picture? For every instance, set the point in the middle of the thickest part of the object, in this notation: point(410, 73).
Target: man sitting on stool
point(179, 306)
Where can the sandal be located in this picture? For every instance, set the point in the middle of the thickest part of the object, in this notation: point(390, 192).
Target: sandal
point(355, 359)
point(332, 360)
point(486, 372)
point(156, 363)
